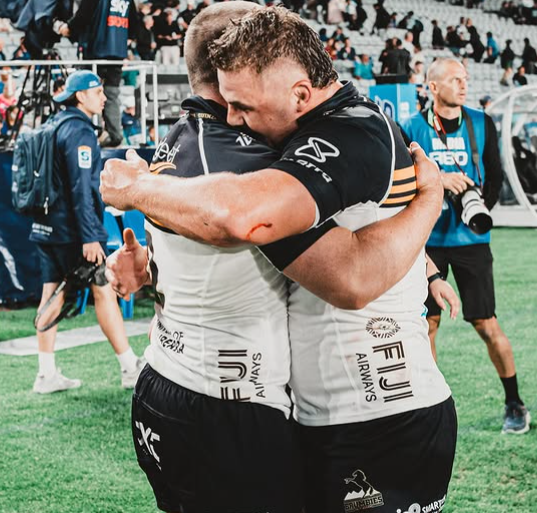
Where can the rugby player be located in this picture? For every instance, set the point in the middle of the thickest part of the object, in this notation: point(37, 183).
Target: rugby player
point(119, 182)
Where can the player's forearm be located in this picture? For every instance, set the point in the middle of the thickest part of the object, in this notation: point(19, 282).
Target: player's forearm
point(227, 209)
point(390, 247)
point(349, 270)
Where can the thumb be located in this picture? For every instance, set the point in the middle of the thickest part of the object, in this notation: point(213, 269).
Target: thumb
point(417, 151)
point(130, 239)
point(132, 156)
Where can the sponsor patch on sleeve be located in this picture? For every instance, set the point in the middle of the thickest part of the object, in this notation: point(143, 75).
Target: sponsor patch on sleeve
point(84, 157)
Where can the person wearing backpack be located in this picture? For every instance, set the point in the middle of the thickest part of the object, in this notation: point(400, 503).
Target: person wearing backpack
point(72, 228)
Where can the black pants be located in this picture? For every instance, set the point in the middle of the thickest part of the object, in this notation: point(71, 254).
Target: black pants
point(111, 77)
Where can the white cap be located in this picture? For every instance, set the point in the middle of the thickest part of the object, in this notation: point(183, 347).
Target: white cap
point(129, 102)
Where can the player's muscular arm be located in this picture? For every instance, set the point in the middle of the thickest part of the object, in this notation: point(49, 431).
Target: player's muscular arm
point(223, 209)
point(349, 270)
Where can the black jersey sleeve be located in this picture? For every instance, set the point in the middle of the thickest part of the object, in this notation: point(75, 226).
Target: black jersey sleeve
point(284, 252)
point(492, 163)
point(342, 159)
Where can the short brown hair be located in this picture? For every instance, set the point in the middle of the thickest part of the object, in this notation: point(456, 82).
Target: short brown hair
point(207, 26)
point(262, 37)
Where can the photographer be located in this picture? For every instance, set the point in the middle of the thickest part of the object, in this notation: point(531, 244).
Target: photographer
point(464, 143)
point(73, 228)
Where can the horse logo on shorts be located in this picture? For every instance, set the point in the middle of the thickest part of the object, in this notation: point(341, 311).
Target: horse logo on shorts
point(363, 495)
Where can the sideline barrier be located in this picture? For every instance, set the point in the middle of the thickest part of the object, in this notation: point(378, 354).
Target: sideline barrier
point(20, 278)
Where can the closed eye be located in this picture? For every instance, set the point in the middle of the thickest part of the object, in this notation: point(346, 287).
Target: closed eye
point(241, 107)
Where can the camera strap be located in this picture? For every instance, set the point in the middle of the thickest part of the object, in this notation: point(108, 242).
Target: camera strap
point(82, 276)
point(69, 309)
point(473, 145)
point(440, 131)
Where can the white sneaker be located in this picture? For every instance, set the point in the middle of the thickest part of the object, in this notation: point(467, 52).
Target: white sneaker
point(55, 383)
point(129, 379)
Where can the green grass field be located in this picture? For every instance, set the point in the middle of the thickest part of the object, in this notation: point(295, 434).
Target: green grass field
point(72, 453)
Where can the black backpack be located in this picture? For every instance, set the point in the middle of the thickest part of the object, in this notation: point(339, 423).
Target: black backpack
point(33, 188)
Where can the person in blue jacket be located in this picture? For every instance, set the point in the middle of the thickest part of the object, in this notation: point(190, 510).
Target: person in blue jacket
point(444, 132)
point(73, 228)
point(103, 29)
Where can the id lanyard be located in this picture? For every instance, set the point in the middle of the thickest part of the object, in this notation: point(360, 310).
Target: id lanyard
point(440, 131)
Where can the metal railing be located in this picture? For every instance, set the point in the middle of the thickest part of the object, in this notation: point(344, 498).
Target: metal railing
point(141, 66)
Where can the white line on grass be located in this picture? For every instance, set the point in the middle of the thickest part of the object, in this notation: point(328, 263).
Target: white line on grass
point(70, 338)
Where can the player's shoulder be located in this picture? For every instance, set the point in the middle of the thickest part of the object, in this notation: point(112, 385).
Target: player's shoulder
point(359, 123)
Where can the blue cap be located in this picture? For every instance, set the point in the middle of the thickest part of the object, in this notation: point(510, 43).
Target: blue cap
point(78, 81)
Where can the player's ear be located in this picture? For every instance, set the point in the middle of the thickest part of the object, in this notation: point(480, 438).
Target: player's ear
point(302, 95)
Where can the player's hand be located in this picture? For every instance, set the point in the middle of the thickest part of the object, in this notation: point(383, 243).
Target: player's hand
point(126, 268)
point(456, 182)
point(119, 180)
point(442, 291)
point(93, 252)
point(427, 175)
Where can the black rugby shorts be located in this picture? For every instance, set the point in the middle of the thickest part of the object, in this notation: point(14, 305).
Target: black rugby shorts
point(472, 270)
point(207, 455)
point(388, 465)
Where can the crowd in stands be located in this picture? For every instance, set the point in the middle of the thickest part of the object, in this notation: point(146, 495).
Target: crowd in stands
point(520, 12)
point(162, 25)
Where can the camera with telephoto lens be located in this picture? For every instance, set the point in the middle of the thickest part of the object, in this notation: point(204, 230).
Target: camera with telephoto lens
point(471, 209)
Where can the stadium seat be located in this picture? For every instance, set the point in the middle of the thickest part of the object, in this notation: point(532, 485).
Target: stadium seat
point(115, 241)
point(134, 219)
point(82, 300)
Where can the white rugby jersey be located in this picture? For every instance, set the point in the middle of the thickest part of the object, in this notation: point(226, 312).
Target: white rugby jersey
point(353, 366)
point(359, 365)
point(221, 314)
point(221, 327)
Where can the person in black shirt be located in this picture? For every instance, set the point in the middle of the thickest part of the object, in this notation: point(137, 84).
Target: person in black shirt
point(189, 13)
point(507, 58)
point(519, 78)
point(145, 43)
point(529, 56)
point(382, 19)
point(438, 39)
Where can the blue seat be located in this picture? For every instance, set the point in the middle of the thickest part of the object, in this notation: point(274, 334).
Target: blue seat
point(134, 219)
point(114, 242)
point(82, 300)
point(115, 239)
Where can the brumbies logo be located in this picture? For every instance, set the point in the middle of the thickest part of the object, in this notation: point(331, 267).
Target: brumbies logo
point(317, 149)
point(382, 327)
point(363, 495)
